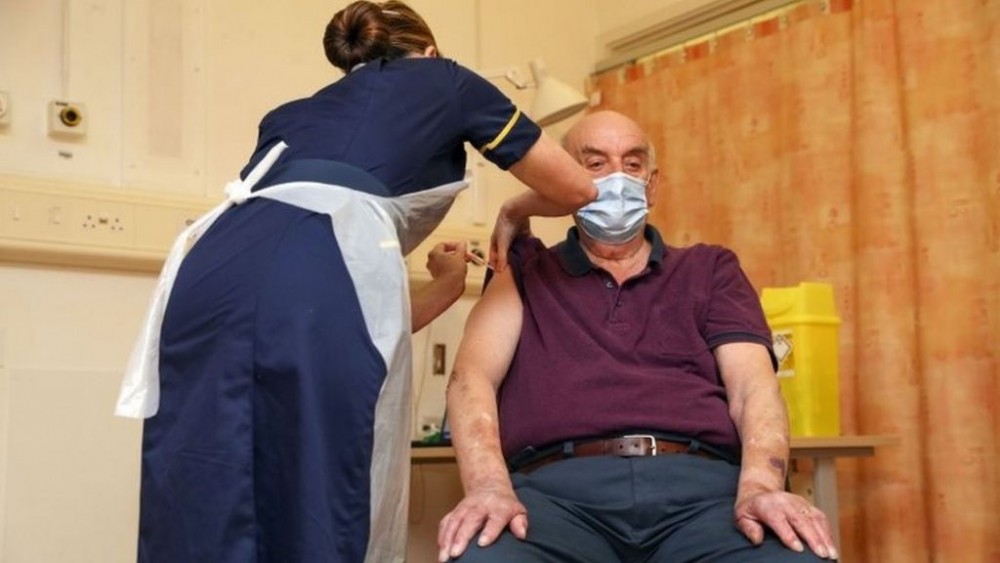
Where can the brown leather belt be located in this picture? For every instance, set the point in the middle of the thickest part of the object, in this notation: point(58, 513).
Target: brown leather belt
point(634, 445)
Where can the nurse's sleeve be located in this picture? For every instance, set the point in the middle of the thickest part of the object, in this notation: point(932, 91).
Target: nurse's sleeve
point(491, 122)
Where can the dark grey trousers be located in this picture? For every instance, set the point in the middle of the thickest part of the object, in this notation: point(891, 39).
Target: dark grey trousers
point(674, 508)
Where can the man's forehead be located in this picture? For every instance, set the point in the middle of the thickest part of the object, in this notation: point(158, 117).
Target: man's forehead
point(609, 133)
point(616, 144)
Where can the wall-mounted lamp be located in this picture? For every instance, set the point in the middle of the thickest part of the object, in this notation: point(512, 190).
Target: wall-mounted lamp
point(554, 100)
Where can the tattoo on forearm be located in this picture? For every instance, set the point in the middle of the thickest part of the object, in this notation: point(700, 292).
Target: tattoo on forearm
point(778, 464)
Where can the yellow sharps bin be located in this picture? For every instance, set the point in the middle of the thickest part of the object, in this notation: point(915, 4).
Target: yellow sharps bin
point(804, 323)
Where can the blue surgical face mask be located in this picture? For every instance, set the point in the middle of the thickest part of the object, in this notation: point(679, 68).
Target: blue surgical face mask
point(619, 212)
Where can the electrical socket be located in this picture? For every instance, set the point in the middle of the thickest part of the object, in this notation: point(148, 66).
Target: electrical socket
point(67, 119)
point(101, 222)
point(104, 221)
point(68, 220)
point(4, 108)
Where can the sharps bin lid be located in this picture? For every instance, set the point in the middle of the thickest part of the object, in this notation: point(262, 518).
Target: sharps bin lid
point(808, 302)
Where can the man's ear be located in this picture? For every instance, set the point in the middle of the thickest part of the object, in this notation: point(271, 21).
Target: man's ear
point(652, 188)
point(431, 51)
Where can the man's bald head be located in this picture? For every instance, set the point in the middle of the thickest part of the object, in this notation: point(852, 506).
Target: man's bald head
point(605, 142)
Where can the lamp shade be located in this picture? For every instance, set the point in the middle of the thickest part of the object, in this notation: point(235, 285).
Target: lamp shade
point(554, 100)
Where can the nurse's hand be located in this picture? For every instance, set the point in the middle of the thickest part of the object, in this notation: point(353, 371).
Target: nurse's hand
point(510, 225)
point(448, 260)
point(513, 222)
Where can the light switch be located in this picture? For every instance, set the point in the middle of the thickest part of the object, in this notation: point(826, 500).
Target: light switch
point(438, 366)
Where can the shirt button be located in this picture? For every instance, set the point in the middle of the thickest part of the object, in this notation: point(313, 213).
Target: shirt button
point(609, 284)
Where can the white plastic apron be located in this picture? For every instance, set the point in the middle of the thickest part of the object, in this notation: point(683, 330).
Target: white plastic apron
point(374, 233)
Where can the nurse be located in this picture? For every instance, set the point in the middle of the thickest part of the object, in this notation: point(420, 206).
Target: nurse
point(274, 367)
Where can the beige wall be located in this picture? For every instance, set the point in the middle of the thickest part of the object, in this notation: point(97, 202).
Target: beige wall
point(612, 16)
point(68, 468)
point(174, 89)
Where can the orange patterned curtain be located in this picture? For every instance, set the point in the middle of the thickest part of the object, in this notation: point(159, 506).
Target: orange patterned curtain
point(858, 143)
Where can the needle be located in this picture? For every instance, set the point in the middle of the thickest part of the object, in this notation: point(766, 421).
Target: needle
point(475, 259)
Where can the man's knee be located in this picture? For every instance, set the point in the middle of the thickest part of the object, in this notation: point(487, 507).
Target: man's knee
point(506, 548)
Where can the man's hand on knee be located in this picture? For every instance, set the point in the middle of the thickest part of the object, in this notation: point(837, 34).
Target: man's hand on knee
point(486, 511)
point(792, 519)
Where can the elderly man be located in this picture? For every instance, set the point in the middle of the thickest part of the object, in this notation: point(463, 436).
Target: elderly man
point(619, 394)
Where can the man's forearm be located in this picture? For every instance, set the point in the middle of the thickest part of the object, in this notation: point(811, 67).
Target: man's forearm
point(763, 425)
point(475, 431)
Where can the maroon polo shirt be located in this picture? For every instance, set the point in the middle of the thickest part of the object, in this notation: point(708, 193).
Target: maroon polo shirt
point(597, 359)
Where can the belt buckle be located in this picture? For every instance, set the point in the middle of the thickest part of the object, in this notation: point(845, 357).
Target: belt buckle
point(650, 437)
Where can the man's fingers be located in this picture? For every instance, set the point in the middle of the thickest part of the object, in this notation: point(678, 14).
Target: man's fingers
point(795, 521)
point(496, 525)
point(483, 515)
point(751, 529)
point(442, 525)
point(469, 527)
point(519, 526)
point(788, 536)
point(446, 529)
point(812, 527)
point(461, 526)
point(492, 530)
point(781, 526)
point(827, 533)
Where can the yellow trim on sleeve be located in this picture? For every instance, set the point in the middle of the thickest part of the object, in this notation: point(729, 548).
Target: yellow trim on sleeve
point(503, 133)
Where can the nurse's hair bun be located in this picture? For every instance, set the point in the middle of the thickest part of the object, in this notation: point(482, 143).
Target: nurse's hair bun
point(364, 31)
point(356, 34)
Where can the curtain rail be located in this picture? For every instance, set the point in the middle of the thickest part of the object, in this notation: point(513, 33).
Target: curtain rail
point(631, 43)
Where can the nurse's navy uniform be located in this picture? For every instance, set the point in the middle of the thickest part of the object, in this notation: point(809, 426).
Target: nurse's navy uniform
point(276, 353)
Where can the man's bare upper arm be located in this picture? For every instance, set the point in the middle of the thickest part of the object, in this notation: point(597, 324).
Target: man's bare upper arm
point(744, 366)
point(746, 371)
point(491, 332)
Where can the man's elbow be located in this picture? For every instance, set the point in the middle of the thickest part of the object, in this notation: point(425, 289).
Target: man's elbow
point(460, 383)
point(464, 382)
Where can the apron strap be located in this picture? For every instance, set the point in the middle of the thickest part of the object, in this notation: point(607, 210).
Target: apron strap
point(239, 191)
point(140, 392)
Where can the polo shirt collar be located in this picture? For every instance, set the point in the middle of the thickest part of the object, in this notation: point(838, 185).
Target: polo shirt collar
point(574, 259)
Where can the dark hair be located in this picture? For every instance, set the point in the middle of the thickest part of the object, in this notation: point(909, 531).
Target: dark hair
point(364, 31)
